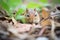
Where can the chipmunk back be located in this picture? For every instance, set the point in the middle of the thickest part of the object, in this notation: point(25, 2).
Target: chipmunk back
point(45, 15)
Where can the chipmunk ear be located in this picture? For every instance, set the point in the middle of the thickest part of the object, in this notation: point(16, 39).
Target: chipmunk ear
point(26, 10)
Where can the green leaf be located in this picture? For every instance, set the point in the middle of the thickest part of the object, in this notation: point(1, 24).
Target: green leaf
point(56, 1)
point(44, 1)
point(33, 5)
point(10, 5)
point(13, 4)
point(19, 12)
point(21, 18)
point(4, 5)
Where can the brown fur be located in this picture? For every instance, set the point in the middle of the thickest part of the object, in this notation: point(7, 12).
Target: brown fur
point(32, 16)
point(45, 15)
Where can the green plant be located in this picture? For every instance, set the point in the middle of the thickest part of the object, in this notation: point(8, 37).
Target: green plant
point(55, 2)
point(9, 5)
point(12, 5)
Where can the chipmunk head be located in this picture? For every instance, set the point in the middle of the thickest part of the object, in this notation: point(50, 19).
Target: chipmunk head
point(32, 16)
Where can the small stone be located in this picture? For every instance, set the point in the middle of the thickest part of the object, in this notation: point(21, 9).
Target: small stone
point(42, 38)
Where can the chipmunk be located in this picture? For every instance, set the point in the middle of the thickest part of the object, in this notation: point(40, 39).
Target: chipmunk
point(45, 15)
point(45, 22)
point(32, 16)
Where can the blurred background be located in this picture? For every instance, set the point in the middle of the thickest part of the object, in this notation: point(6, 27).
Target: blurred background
point(17, 9)
point(19, 6)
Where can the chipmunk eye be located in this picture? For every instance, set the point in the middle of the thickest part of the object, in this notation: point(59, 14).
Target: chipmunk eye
point(27, 15)
point(35, 14)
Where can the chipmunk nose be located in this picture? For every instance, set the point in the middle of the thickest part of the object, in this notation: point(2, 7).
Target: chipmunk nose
point(30, 22)
point(32, 17)
point(36, 23)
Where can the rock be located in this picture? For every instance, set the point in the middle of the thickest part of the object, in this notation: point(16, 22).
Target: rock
point(42, 38)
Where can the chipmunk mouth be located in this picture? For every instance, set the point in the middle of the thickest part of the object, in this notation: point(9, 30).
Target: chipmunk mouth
point(33, 22)
point(30, 22)
point(36, 23)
